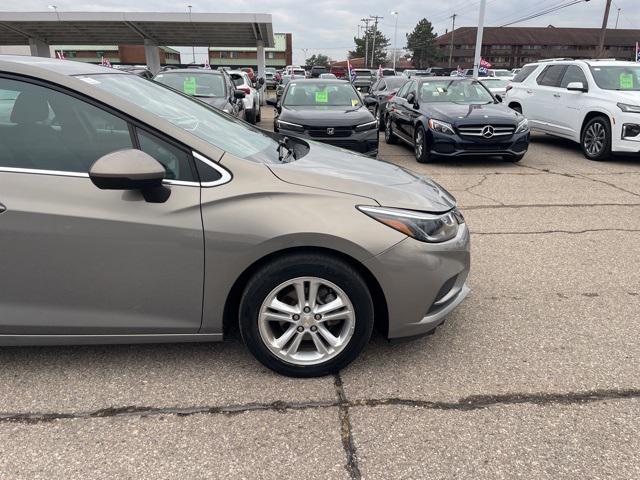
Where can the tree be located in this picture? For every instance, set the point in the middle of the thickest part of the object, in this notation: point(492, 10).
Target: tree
point(381, 44)
point(422, 44)
point(319, 59)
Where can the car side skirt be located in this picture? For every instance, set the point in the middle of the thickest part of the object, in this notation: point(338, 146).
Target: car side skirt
point(29, 340)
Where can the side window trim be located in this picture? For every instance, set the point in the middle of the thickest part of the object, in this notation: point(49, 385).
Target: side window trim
point(225, 175)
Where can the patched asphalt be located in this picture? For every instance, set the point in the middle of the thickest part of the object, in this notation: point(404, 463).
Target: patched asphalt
point(535, 375)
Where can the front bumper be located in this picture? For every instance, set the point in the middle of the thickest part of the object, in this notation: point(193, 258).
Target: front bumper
point(362, 142)
point(422, 282)
point(625, 137)
point(459, 145)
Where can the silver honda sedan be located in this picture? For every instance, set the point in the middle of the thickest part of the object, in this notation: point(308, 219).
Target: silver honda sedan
point(132, 213)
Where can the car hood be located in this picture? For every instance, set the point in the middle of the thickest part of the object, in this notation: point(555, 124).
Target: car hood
point(335, 169)
point(218, 102)
point(465, 114)
point(326, 116)
point(630, 97)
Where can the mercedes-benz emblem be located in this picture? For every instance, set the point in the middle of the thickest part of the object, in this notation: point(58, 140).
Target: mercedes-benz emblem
point(331, 131)
point(488, 131)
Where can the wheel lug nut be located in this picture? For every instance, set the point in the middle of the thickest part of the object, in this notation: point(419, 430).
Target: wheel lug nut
point(296, 317)
point(300, 328)
point(314, 328)
point(307, 309)
point(317, 316)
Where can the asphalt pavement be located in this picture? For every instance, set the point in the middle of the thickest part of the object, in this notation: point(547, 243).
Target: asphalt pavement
point(536, 375)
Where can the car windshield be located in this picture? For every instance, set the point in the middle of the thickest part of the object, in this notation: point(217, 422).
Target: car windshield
point(196, 84)
point(456, 91)
point(396, 82)
point(320, 94)
point(617, 77)
point(363, 73)
point(205, 122)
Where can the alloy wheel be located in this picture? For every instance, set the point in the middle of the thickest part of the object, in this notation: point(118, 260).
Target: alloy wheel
point(306, 321)
point(419, 144)
point(595, 138)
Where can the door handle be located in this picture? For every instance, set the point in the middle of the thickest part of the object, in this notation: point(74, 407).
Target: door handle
point(529, 91)
point(557, 95)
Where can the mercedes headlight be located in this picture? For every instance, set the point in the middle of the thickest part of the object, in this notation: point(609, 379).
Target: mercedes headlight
point(523, 126)
point(441, 127)
point(425, 227)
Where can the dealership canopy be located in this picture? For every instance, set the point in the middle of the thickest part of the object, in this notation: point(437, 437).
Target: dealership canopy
point(41, 29)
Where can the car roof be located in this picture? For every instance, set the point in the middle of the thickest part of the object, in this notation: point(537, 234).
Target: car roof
point(63, 67)
point(609, 62)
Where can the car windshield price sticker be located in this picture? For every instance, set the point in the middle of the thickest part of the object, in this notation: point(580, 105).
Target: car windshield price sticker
point(189, 86)
point(626, 81)
point(354, 102)
point(322, 96)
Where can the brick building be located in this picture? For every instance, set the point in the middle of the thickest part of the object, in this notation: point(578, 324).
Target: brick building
point(511, 47)
point(116, 54)
point(278, 57)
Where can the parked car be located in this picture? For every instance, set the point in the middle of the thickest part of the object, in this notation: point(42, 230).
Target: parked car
point(270, 80)
point(387, 72)
point(381, 92)
point(500, 73)
point(496, 85)
point(340, 72)
point(421, 73)
point(252, 112)
point(283, 83)
point(329, 111)
point(363, 79)
point(142, 215)
point(593, 102)
point(326, 76)
point(408, 72)
point(143, 72)
point(214, 87)
point(438, 72)
point(454, 116)
point(249, 71)
point(318, 70)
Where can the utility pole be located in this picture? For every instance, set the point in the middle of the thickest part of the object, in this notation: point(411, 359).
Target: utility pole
point(366, 38)
point(476, 61)
point(453, 30)
point(193, 48)
point(395, 35)
point(375, 32)
point(603, 32)
point(618, 18)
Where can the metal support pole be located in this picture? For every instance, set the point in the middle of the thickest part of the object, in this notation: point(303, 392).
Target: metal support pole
point(395, 36)
point(476, 60)
point(603, 31)
point(453, 31)
point(152, 55)
point(261, 70)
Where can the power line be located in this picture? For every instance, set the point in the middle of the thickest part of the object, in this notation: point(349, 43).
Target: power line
point(544, 12)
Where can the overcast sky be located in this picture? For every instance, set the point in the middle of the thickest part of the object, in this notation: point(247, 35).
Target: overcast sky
point(328, 26)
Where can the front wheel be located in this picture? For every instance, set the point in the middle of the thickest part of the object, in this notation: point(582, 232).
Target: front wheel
point(259, 114)
point(389, 136)
point(596, 139)
point(306, 315)
point(420, 146)
point(250, 116)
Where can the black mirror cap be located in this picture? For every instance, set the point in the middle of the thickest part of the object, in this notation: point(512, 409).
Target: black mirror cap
point(127, 170)
point(239, 94)
point(411, 98)
point(261, 80)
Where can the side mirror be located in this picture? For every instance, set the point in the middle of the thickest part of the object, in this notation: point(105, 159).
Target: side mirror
point(239, 94)
point(127, 170)
point(261, 80)
point(411, 98)
point(498, 97)
point(576, 87)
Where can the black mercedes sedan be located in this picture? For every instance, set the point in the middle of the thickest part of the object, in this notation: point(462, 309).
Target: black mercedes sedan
point(455, 116)
point(381, 92)
point(329, 111)
point(214, 87)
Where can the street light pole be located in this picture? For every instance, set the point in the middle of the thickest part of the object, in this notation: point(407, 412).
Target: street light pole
point(603, 32)
point(366, 38)
point(453, 31)
point(618, 18)
point(193, 48)
point(476, 60)
point(375, 33)
point(395, 36)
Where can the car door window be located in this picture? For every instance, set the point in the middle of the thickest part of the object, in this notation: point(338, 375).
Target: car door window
point(404, 90)
point(524, 72)
point(45, 129)
point(176, 161)
point(551, 76)
point(573, 74)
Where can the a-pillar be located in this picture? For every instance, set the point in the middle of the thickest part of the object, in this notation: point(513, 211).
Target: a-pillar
point(152, 55)
point(261, 70)
point(39, 48)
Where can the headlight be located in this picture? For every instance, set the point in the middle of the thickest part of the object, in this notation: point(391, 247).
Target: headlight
point(629, 108)
point(290, 126)
point(441, 127)
point(367, 126)
point(523, 126)
point(425, 227)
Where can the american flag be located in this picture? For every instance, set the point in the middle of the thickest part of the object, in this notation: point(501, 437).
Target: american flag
point(60, 54)
point(352, 74)
point(105, 62)
point(206, 63)
point(484, 66)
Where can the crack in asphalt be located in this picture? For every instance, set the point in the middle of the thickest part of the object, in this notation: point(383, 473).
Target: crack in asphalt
point(549, 205)
point(486, 197)
point(473, 402)
point(345, 429)
point(570, 232)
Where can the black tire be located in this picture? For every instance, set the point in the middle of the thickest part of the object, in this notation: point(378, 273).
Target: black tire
point(595, 139)
point(517, 108)
point(300, 265)
point(389, 136)
point(250, 116)
point(378, 114)
point(513, 158)
point(259, 115)
point(420, 146)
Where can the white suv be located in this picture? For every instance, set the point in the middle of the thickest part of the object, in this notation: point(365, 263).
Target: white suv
point(252, 113)
point(593, 102)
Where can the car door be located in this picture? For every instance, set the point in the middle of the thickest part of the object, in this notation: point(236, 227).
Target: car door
point(394, 104)
point(572, 103)
point(404, 118)
point(77, 260)
point(542, 107)
point(235, 103)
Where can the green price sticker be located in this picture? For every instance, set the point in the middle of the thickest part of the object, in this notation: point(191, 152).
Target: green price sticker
point(189, 86)
point(322, 96)
point(626, 81)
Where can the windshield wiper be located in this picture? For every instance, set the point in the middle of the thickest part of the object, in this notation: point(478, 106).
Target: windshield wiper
point(283, 144)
